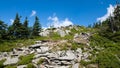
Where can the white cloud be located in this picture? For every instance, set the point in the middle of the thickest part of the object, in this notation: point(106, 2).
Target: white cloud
point(33, 13)
point(55, 22)
point(11, 21)
point(110, 11)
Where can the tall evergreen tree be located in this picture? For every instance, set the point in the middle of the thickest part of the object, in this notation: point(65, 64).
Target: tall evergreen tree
point(3, 28)
point(16, 26)
point(36, 27)
point(116, 18)
point(26, 22)
point(26, 29)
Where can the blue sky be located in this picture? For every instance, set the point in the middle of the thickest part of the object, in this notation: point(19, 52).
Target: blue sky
point(80, 12)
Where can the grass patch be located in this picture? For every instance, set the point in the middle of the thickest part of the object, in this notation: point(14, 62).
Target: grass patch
point(10, 66)
point(41, 61)
point(8, 45)
point(64, 47)
point(25, 59)
point(1, 63)
point(30, 65)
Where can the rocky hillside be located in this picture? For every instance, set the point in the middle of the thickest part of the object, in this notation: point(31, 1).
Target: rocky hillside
point(65, 47)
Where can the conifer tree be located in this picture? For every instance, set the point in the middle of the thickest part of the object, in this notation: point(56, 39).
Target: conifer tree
point(26, 29)
point(3, 28)
point(16, 26)
point(36, 27)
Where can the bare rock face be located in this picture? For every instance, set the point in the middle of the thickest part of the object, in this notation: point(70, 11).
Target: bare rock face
point(10, 61)
point(82, 38)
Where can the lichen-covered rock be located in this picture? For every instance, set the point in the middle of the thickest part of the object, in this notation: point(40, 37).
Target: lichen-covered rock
point(61, 32)
point(10, 61)
point(82, 38)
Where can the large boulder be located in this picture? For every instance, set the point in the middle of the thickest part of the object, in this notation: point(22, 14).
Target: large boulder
point(79, 54)
point(44, 49)
point(61, 32)
point(82, 38)
point(45, 33)
point(69, 55)
point(34, 46)
point(10, 61)
point(75, 65)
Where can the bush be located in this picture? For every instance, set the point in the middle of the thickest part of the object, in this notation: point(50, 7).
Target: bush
point(107, 60)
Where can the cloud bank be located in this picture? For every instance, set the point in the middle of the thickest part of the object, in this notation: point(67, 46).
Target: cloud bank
point(110, 11)
point(55, 22)
point(33, 13)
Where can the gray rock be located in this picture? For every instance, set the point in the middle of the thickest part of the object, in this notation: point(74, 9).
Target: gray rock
point(67, 31)
point(61, 32)
point(69, 56)
point(38, 50)
point(10, 60)
point(75, 65)
point(66, 63)
point(53, 55)
point(92, 66)
point(22, 66)
point(82, 38)
point(45, 33)
point(40, 55)
point(44, 49)
point(35, 60)
point(34, 46)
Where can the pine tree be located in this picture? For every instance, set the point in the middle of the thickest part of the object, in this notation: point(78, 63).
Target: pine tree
point(36, 27)
point(26, 22)
point(26, 29)
point(116, 22)
point(16, 26)
point(3, 28)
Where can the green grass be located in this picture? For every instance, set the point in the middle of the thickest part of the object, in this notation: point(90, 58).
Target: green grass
point(107, 56)
point(7, 46)
point(41, 61)
point(63, 47)
point(1, 63)
point(25, 59)
point(10, 66)
point(30, 65)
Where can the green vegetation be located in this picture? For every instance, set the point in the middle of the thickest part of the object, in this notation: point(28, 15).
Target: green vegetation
point(25, 59)
point(74, 46)
point(54, 36)
point(10, 66)
point(107, 42)
point(30, 65)
point(104, 42)
point(1, 63)
point(41, 61)
point(36, 27)
point(19, 30)
point(108, 55)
